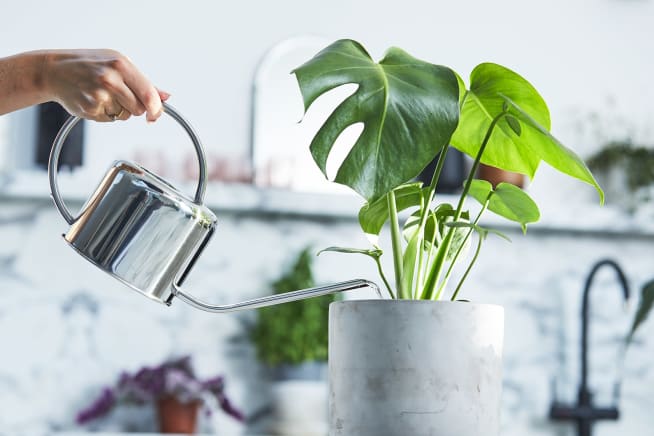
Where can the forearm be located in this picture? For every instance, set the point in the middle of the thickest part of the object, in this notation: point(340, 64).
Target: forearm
point(22, 81)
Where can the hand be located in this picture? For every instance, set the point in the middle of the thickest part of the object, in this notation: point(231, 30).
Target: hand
point(101, 85)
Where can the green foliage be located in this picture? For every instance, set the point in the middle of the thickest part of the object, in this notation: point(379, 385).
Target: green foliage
point(295, 332)
point(644, 307)
point(399, 117)
point(412, 111)
point(636, 161)
point(522, 137)
point(506, 200)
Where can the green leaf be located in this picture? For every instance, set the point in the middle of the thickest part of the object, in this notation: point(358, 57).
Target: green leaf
point(644, 307)
point(409, 263)
point(436, 222)
point(483, 231)
point(480, 190)
point(506, 200)
point(375, 253)
point(514, 124)
point(553, 152)
point(514, 204)
point(412, 222)
point(373, 216)
point(409, 109)
point(495, 89)
point(498, 233)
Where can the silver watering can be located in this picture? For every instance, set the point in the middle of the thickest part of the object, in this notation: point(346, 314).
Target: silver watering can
point(144, 232)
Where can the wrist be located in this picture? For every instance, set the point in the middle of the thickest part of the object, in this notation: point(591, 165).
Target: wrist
point(31, 78)
point(41, 77)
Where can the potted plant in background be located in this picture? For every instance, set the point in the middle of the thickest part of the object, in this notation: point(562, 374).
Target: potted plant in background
point(627, 172)
point(172, 387)
point(416, 364)
point(496, 176)
point(291, 340)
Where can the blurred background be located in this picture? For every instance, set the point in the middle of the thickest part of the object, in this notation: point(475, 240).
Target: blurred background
point(68, 330)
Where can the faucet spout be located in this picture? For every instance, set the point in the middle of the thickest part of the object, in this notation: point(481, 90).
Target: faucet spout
point(583, 388)
point(584, 413)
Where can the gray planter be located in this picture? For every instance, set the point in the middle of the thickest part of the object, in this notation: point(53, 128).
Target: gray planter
point(418, 368)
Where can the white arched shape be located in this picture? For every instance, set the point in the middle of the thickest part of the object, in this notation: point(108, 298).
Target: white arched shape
point(279, 142)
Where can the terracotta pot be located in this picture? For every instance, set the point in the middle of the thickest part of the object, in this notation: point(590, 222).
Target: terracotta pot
point(177, 417)
point(496, 175)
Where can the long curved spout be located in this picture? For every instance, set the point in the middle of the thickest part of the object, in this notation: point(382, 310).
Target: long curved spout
point(277, 298)
point(583, 388)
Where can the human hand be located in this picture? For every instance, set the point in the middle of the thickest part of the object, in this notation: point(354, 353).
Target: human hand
point(101, 85)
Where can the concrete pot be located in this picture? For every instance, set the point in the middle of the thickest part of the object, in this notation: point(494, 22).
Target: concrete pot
point(419, 368)
point(299, 400)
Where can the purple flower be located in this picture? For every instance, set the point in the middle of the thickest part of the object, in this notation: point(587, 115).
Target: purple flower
point(100, 407)
point(173, 378)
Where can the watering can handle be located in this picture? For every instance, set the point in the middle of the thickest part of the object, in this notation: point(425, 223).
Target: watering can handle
point(72, 121)
point(277, 298)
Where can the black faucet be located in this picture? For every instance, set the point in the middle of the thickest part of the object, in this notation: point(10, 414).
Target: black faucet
point(584, 413)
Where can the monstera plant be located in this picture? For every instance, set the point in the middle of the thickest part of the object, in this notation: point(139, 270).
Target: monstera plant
point(413, 111)
point(433, 367)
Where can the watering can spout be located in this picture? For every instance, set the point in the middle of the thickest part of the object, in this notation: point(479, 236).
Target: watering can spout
point(277, 298)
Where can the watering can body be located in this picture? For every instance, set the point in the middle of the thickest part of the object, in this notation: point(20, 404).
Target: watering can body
point(141, 230)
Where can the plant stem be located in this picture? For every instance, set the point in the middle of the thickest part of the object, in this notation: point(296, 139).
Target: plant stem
point(465, 275)
point(396, 239)
point(475, 165)
point(421, 250)
point(424, 212)
point(460, 249)
point(434, 273)
point(431, 243)
point(437, 172)
point(383, 277)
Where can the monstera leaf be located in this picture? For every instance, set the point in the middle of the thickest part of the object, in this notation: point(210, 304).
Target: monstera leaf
point(409, 109)
point(373, 216)
point(521, 140)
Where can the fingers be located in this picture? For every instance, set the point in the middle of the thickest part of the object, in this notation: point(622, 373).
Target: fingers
point(112, 114)
point(127, 100)
point(142, 89)
point(101, 85)
point(163, 95)
point(125, 103)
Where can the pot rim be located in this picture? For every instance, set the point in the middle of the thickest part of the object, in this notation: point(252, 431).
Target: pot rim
point(387, 301)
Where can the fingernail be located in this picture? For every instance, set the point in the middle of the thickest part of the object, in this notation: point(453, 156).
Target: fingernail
point(152, 119)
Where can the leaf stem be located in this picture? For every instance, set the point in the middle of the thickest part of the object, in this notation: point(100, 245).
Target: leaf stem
point(434, 273)
point(383, 277)
point(437, 171)
point(475, 165)
point(396, 239)
point(460, 249)
point(421, 250)
point(465, 275)
point(432, 241)
point(425, 209)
